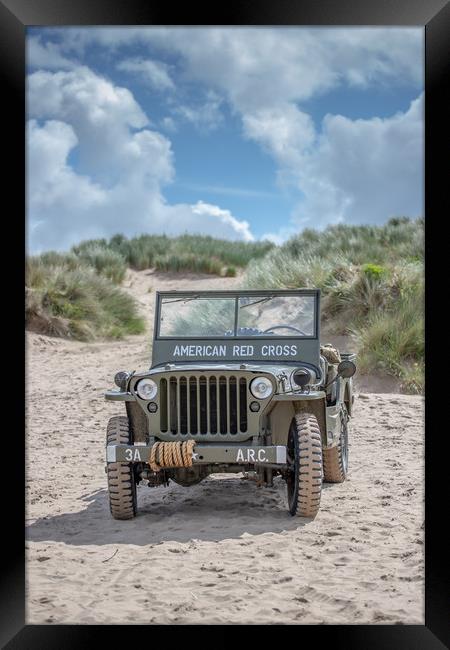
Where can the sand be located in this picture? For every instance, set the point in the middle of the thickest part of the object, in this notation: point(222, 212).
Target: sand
point(223, 551)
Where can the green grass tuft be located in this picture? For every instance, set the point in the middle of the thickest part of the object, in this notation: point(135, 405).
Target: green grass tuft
point(379, 301)
point(106, 261)
point(374, 271)
point(77, 302)
point(183, 253)
point(188, 262)
point(371, 278)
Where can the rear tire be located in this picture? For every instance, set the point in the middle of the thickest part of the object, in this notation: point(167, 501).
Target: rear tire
point(304, 478)
point(335, 460)
point(121, 479)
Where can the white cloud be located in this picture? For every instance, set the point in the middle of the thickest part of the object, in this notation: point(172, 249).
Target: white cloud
point(46, 55)
point(50, 178)
point(281, 236)
point(368, 56)
point(261, 66)
point(364, 171)
point(100, 113)
point(242, 192)
point(352, 170)
point(205, 116)
point(121, 167)
point(168, 124)
point(153, 73)
point(284, 130)
point(224, 216)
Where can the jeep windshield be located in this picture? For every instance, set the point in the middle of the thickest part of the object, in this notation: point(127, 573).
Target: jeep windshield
point(240, 314)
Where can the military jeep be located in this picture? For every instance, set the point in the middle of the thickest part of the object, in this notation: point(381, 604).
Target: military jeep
point(239, 382)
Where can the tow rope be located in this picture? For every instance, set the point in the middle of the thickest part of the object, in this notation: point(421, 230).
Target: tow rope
point(171, 454)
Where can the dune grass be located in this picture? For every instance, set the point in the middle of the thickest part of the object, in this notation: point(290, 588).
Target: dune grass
point(192, 253)
point(392, 342)
point(371, 278)
point(106, 261)
point(188, 262)
point(68, 297)
point(400, 238)
point(372, 283)
point(77, 294)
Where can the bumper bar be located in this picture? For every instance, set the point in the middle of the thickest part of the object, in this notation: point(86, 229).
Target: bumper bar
point(205, 454)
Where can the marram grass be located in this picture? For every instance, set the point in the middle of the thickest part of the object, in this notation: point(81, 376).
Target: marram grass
point(194, 253)
point(372, 284)
point(77, 302)
point(371, 278)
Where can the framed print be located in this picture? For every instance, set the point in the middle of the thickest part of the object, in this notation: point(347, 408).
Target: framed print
point(225, 217)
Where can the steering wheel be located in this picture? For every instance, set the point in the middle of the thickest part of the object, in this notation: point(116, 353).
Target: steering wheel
point(287, 327)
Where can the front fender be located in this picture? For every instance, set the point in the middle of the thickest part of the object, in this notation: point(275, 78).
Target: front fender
point(284, 408)
point(349, 396)
point(119, 396)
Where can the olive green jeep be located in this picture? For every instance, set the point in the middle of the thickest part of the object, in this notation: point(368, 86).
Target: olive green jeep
point(239, 382)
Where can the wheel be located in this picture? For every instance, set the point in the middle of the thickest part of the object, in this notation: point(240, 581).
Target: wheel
point(121, 480)
point(304, 476)
point(335, 460)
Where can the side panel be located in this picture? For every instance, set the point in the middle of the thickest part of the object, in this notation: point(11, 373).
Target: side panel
point(280, 421)
point(348, 396)
point(345, 392)
point(138, 421)
point(333, 424)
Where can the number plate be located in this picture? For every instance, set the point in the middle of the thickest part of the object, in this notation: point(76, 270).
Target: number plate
point(205, 454)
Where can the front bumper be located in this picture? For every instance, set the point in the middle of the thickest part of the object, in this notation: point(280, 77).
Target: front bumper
point(206, 454)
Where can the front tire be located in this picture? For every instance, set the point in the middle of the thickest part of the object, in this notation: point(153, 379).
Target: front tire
point(121, 480)
point(304, 477)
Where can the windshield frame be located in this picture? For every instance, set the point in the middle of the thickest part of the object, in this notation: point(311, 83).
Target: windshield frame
point(236, 294)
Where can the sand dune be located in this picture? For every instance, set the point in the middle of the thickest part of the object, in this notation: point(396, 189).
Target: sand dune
point(224, 551)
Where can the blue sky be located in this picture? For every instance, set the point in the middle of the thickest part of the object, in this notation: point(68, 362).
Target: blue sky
point(243, 133)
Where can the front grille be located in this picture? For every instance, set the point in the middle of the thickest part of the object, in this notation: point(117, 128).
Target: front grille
point(203, 405)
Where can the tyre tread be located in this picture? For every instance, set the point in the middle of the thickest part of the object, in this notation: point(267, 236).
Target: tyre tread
point(310, 470)
point(121, 482)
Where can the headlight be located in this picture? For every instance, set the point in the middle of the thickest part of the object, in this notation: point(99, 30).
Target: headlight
point(120, 379)
point(261, 387)
point(301, 377)
point(146, 388)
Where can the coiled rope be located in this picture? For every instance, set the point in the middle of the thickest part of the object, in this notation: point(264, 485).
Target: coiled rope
point(171, 454)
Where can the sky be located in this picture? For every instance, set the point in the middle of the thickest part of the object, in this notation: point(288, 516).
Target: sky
point(237, 132)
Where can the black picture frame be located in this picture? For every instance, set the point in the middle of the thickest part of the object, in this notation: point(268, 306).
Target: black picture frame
point(434, 16)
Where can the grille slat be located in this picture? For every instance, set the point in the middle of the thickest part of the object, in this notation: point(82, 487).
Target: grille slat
point(217, 405)
point(173, 405)
point(193, 403)
point(208, 405)
point(188, 406)
point(178, 407)
point(163, 418)
point(228, 404)
point(199, 415)
point(238, 406)
point(223, 404)
point(243, 404)
point(212, 404)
